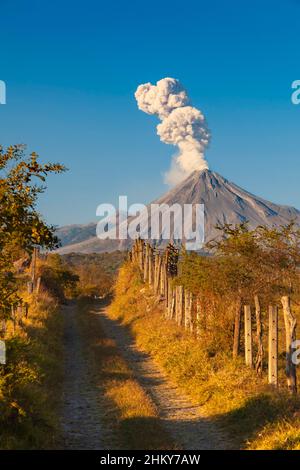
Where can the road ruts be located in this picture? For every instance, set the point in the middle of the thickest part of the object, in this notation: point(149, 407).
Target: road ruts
point(82, 409)
point(183, 420)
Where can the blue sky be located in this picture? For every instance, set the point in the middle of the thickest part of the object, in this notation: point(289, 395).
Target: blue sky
point(71, 69)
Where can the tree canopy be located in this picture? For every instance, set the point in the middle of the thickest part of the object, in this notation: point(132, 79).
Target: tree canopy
point(22, 180)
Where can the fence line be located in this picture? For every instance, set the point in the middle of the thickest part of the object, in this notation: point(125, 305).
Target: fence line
point(159, 269)
point(20, 309)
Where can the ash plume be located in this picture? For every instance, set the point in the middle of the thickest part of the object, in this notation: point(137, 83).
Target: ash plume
point(182, 125)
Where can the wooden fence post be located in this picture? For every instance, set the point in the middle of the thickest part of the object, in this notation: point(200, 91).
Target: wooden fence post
point(146, 263)
point(150, 272)
point(188, 300)
point(192, 312)
point(248, 335)
point(273, 346)
point(38, 284)
point(179, 304)
point(237, 328)
point(157, 273)
point(33, 266)
point(198, 317)
point(173, 305)
point(176, 303)
point(135, 251)
point(259, 337)
point(29, 287)
point(13, 317)
point(170, 296)
point(162, 278)
point(165, 278)
point(290, 336)
point(155, 263)
point(19, 314)
point(141, 254)
point(3, 328)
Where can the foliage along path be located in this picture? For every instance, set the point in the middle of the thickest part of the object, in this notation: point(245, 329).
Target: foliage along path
point(83, 407)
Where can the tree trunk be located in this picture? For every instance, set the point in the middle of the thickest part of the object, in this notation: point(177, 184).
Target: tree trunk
point(290, 336)
point(259, 337)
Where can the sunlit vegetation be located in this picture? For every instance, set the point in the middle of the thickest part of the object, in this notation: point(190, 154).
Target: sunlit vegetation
point(96, 272)
point(22, 180)
point(29, 379)
point(244, 264)
point(57, 278)
point(255, 267)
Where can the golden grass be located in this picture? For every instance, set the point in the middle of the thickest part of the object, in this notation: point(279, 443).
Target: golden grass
point(29, 383)
point(254, 416)
point(284, 435)
point(130, 412)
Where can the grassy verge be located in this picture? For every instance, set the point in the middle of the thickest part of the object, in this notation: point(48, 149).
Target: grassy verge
point(129, 411)
point(255, 416)
point(29, 390)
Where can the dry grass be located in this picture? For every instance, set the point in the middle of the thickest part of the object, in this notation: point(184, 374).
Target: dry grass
point(130, 412)
point(29, 389)
point(231, 394)
point(283, 435)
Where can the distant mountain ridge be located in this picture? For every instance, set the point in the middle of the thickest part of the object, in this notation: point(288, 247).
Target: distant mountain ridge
point(224, 202)
point(76, 233)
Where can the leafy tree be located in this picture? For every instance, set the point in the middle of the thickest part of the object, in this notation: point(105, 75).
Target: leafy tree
point(255, 266)
point(262, 261)
point(96, 271)
point(57, 277)
point(22, 179)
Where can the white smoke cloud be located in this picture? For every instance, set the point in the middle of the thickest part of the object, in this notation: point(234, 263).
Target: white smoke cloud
point(182, 125)
point(162, 98)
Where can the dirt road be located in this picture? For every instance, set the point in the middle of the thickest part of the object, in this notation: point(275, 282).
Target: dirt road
point(184, 421)
point(83, 408)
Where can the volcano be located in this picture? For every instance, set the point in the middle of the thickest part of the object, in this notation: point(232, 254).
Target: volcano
point(224, 202)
